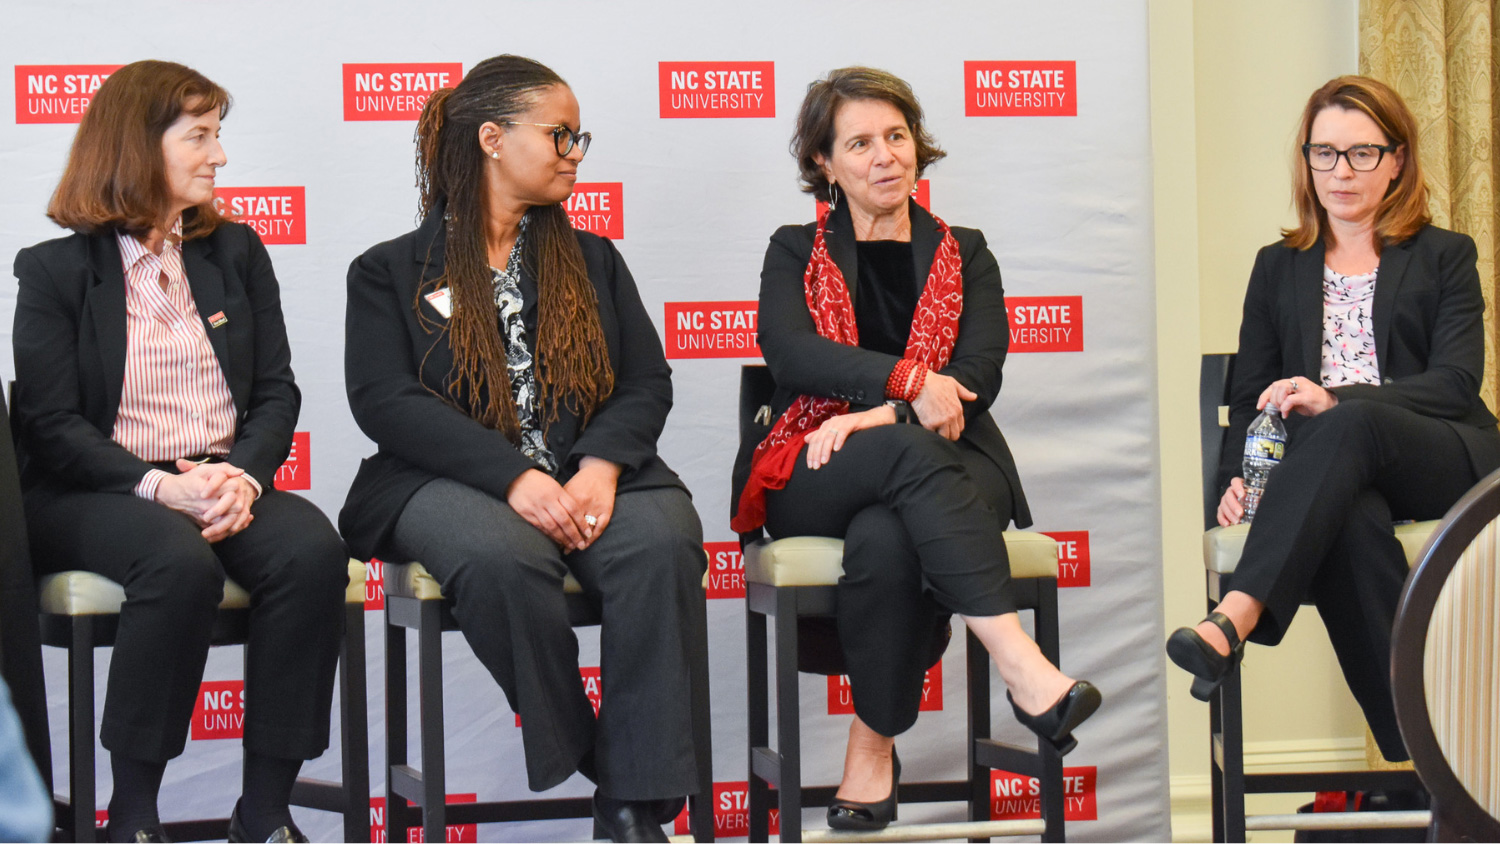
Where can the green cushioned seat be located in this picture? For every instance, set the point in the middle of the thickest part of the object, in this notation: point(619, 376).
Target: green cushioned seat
point(1222, 546)
point(819, 560)
point(86, 593)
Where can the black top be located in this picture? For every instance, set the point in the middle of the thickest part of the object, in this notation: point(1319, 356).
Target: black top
point(885, 297)
point(1428, 317)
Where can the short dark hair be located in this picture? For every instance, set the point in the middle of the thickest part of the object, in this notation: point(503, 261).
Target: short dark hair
point(116, 176)
point(815, 120)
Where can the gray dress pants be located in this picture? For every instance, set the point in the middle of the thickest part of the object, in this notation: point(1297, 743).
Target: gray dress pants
point(504, 578)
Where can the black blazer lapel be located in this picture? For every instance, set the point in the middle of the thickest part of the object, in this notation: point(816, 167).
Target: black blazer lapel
point(105, 306)
point(924, 243)
point(1307, 290)
point(207, 283)
point(842, 248)
point(1393, 263)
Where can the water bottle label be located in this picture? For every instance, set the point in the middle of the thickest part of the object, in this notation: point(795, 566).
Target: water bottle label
point(1265, 448)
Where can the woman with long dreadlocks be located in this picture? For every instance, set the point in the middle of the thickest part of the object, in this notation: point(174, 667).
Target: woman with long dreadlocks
point(515, 386)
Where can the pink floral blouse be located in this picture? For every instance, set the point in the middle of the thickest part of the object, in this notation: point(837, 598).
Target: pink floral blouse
point(1348, 334)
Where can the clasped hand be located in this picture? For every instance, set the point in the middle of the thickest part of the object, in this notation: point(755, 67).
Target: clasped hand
point(215, 496)
point(561, 511)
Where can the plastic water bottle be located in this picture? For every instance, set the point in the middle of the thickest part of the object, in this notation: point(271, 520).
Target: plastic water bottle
point(1265, 443)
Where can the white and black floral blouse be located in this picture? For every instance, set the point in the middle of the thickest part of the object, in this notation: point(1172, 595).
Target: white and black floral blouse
point(518, 356)
point(1348, 334)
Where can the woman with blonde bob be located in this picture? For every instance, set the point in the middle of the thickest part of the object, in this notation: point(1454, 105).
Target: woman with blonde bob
point(1363, 326)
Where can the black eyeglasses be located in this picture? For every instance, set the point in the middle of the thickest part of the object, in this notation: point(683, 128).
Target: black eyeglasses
point(1361, 157)
point(563, 138)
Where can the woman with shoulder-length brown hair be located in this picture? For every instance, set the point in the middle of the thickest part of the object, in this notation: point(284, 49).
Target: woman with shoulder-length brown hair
point(515, 386)
point(1363, 327)
point(156, 402)
point(886, 332)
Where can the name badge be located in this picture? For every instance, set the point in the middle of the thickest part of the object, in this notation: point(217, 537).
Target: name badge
point(441, 302)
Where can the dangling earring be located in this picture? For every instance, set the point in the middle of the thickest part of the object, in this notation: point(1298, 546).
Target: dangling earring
point(833, 197)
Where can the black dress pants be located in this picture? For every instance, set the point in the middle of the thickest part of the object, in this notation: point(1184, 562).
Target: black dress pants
point(922, 538)
point(505, 579)
point(1324, 533)
point(290, 560)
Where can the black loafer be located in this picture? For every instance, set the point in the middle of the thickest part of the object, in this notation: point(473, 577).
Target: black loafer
point(1196, 656)
point(149, 835)
point(1056, 725)
point(629, 820)
point(288, 834)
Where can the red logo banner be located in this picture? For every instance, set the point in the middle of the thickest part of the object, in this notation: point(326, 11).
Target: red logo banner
point(841, 702)
point(712, 329)
point(1020, 89)
point(598, 207)
point(394, 91)
point(1072, 556)
point(374, 585)
point(456, 834)
point(57, 93)
point(296, 472)
point(731, 812)
point(1045, 323)
point(277, 214)
point(717, 89)
point(1014, 797)
point(726, 570)
point(219, 712)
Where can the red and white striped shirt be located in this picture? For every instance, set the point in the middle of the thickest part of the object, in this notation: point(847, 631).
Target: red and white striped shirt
point(175, 401)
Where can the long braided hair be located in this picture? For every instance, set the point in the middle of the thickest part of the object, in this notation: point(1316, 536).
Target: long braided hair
point(571, 360)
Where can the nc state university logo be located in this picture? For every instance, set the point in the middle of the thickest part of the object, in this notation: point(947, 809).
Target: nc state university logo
point(717, 89)
point(456, 834)
point(219, 712)
point(296, 472)
point(841, 701)
point(277, 214)
point(712, 329)
point(57, 93)
point(374, 585)
point(1072, 556)
point(1045, 323)
point(1014, 797)
point(598, 207)
point(394, 91)
point(1019, 89)
point(731, 812)
point(726, 570)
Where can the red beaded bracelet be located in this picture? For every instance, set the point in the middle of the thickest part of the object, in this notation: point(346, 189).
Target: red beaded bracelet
point(915, 382)
point(895, 385)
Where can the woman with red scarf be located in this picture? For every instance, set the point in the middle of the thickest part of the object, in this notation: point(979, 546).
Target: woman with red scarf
point(885, 331)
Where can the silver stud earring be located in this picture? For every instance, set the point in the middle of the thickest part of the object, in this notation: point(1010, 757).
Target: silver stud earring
point(495, 155)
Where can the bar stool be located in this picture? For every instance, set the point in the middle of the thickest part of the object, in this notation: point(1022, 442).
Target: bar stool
point(414, 601)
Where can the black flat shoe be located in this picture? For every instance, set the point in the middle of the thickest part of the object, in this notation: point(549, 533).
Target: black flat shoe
point(149, 835)
point(288, 834)
point(629, 820)
point(854, 815)
point(1056, 725)
point(1197, 657)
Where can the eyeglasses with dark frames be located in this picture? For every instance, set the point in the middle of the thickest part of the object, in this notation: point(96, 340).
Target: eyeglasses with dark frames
point(1361, 157)
point(563, 138)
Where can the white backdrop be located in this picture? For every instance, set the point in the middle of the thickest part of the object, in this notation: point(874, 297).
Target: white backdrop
point(1064, 200)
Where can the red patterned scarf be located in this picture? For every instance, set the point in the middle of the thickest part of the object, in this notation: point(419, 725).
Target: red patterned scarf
point(934, 329)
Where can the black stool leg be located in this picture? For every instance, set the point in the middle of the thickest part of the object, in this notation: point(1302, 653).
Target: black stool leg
point(978, 671)
point(788, 715)
point(1054, 803)
point(1232, 749)
point(759, 721)
point(430, 679)
point(395, 725)
point(701, 805)
point(354, 725)
point(81, 728)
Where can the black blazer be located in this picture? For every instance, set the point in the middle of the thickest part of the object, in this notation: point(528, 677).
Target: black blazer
point(1428, 317)
point(802, 361)
point(70, 356)
point(395, 369)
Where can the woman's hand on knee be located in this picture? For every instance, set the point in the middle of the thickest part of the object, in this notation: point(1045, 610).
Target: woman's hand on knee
point(1231, 506)
point(1302, 395)
point(830, 436)
point(940, 405)
point(593, 487)
point(538, 498)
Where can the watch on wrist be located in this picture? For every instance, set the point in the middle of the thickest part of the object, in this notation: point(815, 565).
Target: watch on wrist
point(903, 410)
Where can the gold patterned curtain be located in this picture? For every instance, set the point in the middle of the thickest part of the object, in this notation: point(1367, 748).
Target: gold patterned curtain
point(1442, 56)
